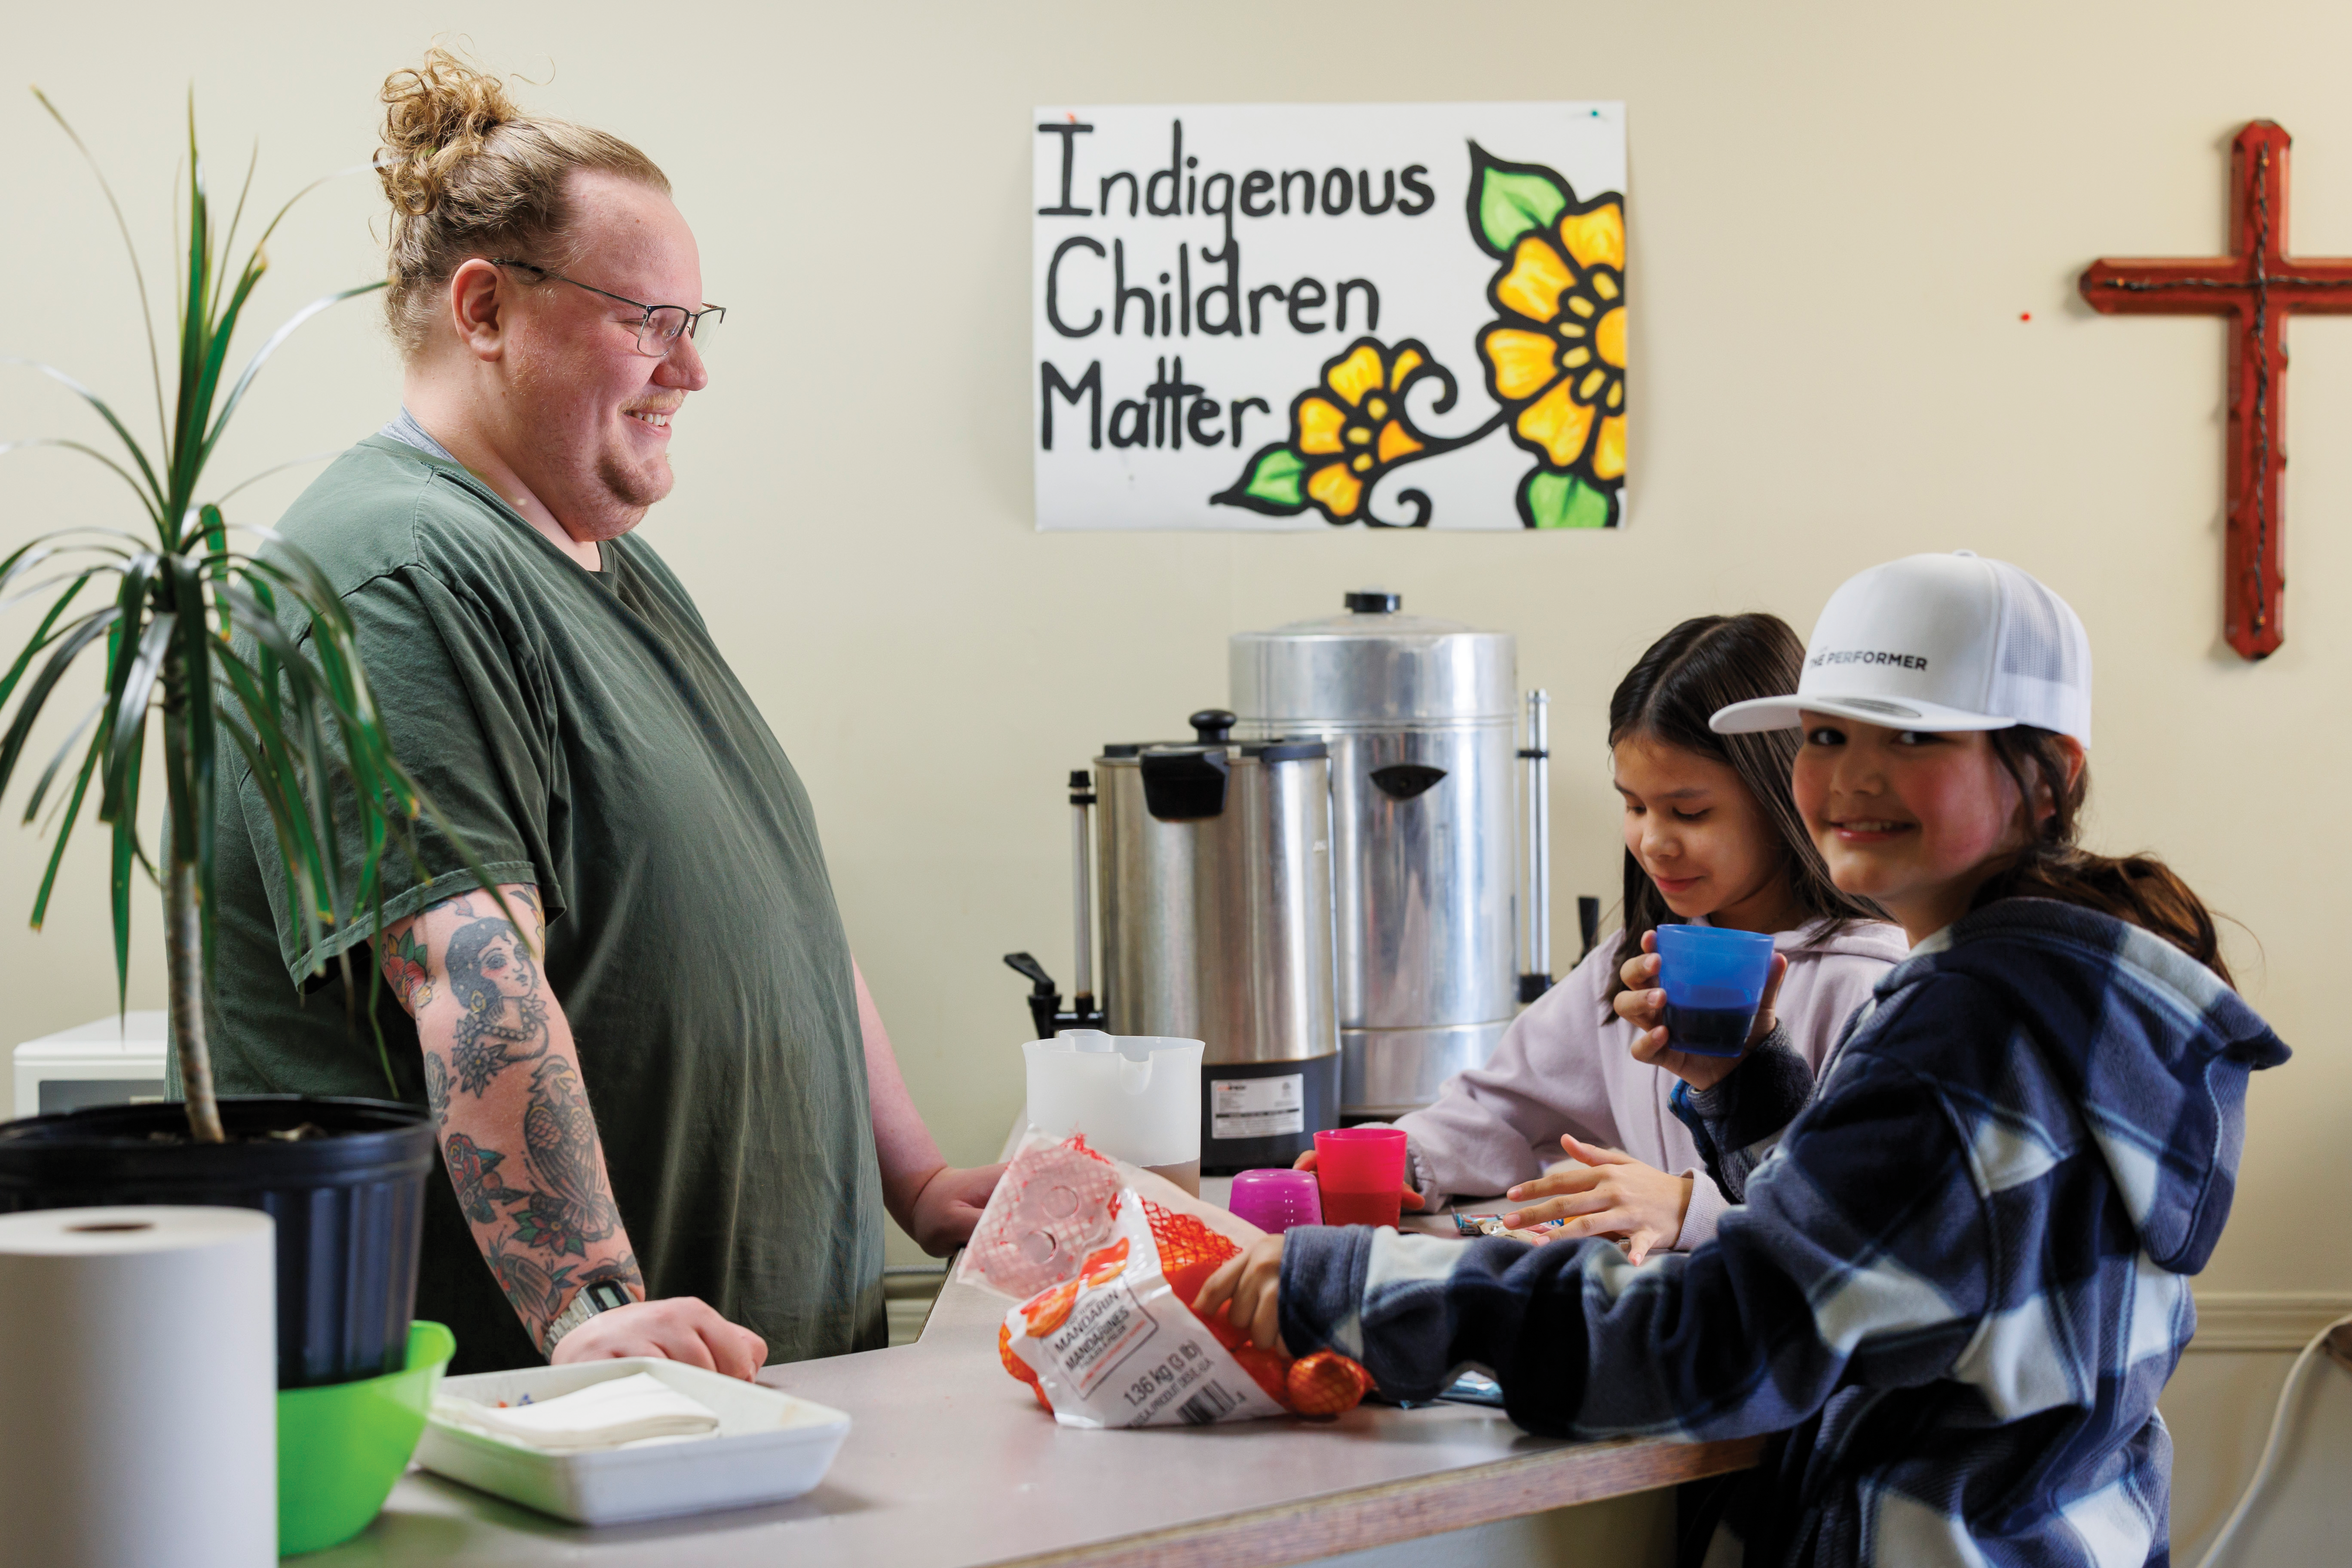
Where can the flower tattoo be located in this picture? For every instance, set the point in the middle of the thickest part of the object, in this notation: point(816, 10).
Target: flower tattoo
point(407, 970)
point(473, 1172)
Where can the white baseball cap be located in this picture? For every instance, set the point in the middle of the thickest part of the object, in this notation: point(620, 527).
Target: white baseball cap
point(1937, 643)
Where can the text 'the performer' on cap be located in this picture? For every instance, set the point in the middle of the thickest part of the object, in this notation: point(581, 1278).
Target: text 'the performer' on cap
point(1935, 643)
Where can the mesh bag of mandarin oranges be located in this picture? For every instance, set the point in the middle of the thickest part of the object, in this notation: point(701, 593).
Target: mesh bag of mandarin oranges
point(1106, 1259)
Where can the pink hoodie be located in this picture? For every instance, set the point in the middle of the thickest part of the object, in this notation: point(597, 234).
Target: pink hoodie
point(1561, 1068)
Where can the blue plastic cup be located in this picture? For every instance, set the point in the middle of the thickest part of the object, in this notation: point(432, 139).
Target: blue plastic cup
point(1713, 980)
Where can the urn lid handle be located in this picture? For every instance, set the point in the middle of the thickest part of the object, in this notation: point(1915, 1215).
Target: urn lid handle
point(1212, 726)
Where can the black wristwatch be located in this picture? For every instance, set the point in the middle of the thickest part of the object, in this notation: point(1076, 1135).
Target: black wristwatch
point(602, 1297)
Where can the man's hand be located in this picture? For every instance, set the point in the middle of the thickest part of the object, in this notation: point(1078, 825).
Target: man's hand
point(1410, 1198)
point(1612, 1195)
point(677, 1328)
point(949, 1205)
point(1250, 1282)
point(1646, 1009)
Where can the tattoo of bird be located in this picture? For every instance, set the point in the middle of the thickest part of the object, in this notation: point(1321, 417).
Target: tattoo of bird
point(568, 1207)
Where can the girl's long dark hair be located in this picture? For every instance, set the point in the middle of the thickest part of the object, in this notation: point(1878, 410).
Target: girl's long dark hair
point(2139, 889)
point(1702, 664)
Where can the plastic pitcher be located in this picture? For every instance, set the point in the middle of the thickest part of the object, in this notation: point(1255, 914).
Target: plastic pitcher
point(1136, 1097)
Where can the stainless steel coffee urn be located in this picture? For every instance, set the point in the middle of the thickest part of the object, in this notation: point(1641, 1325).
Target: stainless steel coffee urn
point(1419, 718)
point(1216, 926)
point(1217, 901)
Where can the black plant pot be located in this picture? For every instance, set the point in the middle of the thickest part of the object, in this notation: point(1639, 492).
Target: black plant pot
point(350, 1208)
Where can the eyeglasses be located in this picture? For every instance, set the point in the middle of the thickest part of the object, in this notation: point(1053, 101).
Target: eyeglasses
point(657, 329)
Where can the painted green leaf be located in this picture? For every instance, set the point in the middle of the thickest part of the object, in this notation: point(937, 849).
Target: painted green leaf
point(1548, 499)
point(1274, 483)
point(1508, 200)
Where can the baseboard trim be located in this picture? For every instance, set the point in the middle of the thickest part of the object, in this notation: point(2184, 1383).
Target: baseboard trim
point(2264, 1319)
point(906, 1297)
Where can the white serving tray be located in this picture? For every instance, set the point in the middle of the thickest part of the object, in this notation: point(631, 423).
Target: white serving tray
point(768, 1446)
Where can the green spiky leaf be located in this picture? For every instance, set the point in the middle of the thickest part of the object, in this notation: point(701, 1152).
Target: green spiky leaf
point(1508, 200)
point(1274, 482)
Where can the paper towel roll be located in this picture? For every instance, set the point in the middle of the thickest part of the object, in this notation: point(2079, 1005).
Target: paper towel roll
point(139, 1388)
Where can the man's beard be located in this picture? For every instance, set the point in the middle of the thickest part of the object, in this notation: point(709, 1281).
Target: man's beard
point(632, 488)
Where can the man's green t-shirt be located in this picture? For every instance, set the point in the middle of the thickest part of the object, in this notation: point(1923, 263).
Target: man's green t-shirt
point(581, 733)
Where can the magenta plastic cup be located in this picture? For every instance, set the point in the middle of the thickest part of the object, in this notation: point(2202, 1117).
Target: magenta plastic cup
point(1361, 1173)
point(1714, 981)
point(1273, 1201)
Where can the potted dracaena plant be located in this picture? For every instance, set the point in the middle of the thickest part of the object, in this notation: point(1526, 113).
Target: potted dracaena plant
point(226, 656)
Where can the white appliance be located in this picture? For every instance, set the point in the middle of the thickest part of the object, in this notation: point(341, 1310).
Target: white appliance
point(115, 1060)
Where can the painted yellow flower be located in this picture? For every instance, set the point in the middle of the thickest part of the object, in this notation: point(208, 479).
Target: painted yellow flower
point(1353, 426)
point(1556, 360)
point(1347, 431)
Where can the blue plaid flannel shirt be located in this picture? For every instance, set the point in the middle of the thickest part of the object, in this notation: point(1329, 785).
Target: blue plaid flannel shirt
point(1957, 1286)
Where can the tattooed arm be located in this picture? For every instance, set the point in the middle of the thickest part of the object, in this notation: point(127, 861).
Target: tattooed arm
point(519, 1139)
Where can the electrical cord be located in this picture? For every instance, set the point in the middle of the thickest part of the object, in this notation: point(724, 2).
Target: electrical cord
point(2270, 1448)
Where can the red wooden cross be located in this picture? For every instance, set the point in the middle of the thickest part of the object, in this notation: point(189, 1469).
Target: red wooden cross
point(2258, 284)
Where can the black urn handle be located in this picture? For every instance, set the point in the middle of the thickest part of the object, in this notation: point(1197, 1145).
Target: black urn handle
point(1212, 726)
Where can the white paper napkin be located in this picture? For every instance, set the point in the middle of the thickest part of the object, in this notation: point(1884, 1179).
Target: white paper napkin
point(602, 1415)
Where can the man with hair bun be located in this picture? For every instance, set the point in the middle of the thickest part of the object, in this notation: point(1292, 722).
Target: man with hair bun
point(670, 1115)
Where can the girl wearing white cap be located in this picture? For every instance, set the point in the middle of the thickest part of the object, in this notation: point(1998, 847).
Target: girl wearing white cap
point(1958, 1279)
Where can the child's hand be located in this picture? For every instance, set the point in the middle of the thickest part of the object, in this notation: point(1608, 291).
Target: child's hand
point(1412, 1200)
point(1646, 1009)
point(1615, 1195)
point(1250, 1282)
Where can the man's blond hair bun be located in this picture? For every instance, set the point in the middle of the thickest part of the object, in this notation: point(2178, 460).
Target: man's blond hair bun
point(435, 117)
point(469, 175)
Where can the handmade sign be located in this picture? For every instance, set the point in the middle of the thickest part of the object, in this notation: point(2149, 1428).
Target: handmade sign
point(1291, 317)
point(2257, 286)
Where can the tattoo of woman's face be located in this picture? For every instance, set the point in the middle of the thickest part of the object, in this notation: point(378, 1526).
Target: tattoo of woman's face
point(494, 978)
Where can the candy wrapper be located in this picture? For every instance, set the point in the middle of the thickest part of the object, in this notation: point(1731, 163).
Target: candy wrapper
point(1113, 1340)
point(1477, 1225)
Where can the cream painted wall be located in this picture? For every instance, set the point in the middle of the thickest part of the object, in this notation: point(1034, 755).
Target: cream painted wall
point(1839, 212)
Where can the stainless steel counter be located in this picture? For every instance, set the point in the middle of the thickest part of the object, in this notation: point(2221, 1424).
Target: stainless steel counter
point(951, 1465)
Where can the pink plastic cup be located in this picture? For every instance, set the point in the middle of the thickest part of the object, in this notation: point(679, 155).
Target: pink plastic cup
point(1273, 1201)
point(1360, 1171)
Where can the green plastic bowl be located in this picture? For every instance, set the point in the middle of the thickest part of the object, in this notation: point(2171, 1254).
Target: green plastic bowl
point(340, 1449)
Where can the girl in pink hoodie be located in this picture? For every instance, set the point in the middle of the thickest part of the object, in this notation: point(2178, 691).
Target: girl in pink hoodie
point(1712, 836)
